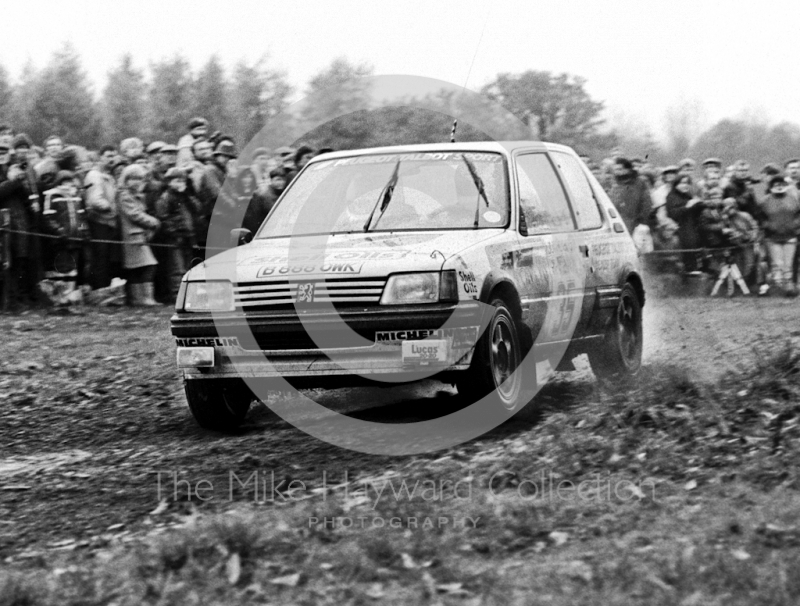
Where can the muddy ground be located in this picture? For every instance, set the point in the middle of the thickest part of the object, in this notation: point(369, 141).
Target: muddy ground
point(92, 408)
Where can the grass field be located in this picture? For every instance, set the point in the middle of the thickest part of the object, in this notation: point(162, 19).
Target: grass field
point(680, 489)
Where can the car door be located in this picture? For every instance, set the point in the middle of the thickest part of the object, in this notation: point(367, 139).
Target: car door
point(590, 224)
point(548, 262)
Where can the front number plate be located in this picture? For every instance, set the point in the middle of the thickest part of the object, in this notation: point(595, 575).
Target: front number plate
point(429, 351)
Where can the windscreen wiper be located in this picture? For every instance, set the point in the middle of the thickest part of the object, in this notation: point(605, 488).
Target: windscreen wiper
point(385, 197)
point(479, 185)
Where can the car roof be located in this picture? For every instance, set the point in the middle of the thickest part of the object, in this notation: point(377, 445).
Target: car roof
point(504, 147)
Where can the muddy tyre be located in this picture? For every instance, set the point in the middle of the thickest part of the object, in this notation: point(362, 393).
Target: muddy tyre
point(497, 355)
point(619, 357)
point(218, 404)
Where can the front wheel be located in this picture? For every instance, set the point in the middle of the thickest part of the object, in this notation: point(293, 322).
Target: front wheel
point(620, 354)
point(218, 404)
point(497, 356)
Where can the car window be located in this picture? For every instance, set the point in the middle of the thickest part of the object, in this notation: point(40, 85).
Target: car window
point(542, 200)
point(430, 190)
point(583, 200)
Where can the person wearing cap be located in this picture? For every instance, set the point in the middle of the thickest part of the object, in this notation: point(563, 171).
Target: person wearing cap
point(176, 209)
point(138, 227)
point(302, 157)
point(163, 159)
point(198, 129)
point(64, 216)
point(215, 199)
point(202, 154)
point(631, 195)
point(780, 219)
point(103, 218)
point(263, 201)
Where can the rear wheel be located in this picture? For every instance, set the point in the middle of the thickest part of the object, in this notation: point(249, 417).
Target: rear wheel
point(619, 357)
point(497, 356)
point(218, 404)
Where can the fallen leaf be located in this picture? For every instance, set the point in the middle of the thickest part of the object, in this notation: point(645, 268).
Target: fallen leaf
point(558, 537)
point(375, 591)
point(452, 588)
point(290, 580)
point(690, 485)
point(408, 561)
point(233, 569)
point(740, 554)
point(162, 507)
point(579, 569)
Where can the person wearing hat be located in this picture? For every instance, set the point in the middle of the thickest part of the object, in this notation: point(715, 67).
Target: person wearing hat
point(154, 147)
point(780, 219)
point(176, 209)
point(103, 219)
point(64, 216)
point(216, 200)
point(302, 157)
point(198, 129)
point(138, 227)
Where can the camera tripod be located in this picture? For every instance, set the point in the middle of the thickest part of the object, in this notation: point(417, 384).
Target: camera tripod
point(730, 272)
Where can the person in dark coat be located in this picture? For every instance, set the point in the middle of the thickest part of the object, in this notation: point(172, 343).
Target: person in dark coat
point(264, 199)
point(631, 195)
point(176, 209)
point(19, 194)
point(684, 208)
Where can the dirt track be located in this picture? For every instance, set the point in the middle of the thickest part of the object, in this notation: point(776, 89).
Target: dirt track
point(92, 409)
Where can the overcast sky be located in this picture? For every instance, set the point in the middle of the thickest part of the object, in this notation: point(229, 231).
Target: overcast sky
point(637, 56)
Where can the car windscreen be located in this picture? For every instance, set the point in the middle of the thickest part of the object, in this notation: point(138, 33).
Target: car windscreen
point(394, 192)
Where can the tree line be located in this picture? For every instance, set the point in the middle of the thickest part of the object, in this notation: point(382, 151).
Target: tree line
point(157, 104)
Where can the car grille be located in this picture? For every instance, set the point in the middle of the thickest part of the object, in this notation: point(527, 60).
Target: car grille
point(272, 294)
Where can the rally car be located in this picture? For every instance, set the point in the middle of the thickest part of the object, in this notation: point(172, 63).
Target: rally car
point(465, 262)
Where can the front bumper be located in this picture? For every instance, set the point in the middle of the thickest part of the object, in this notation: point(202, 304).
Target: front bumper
point(319, 343)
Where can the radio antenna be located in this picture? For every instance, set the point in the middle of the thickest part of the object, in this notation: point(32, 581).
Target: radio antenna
point(469, 72)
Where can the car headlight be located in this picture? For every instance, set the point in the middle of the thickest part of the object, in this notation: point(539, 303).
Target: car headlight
point(428, 287)
point(209, 296)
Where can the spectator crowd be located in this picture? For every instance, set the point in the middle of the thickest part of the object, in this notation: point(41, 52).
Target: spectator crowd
point(79, 218)
point(697, 219)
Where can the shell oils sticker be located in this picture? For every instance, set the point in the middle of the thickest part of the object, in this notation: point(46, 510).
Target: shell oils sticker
point(467, 282)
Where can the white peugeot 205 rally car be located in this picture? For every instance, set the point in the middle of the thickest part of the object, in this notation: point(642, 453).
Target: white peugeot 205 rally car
point(485, 265)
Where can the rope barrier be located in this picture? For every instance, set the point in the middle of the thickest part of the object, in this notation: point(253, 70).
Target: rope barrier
point(103, 241)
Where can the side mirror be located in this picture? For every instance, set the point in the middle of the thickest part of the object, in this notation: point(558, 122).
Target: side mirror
point(241, 235)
